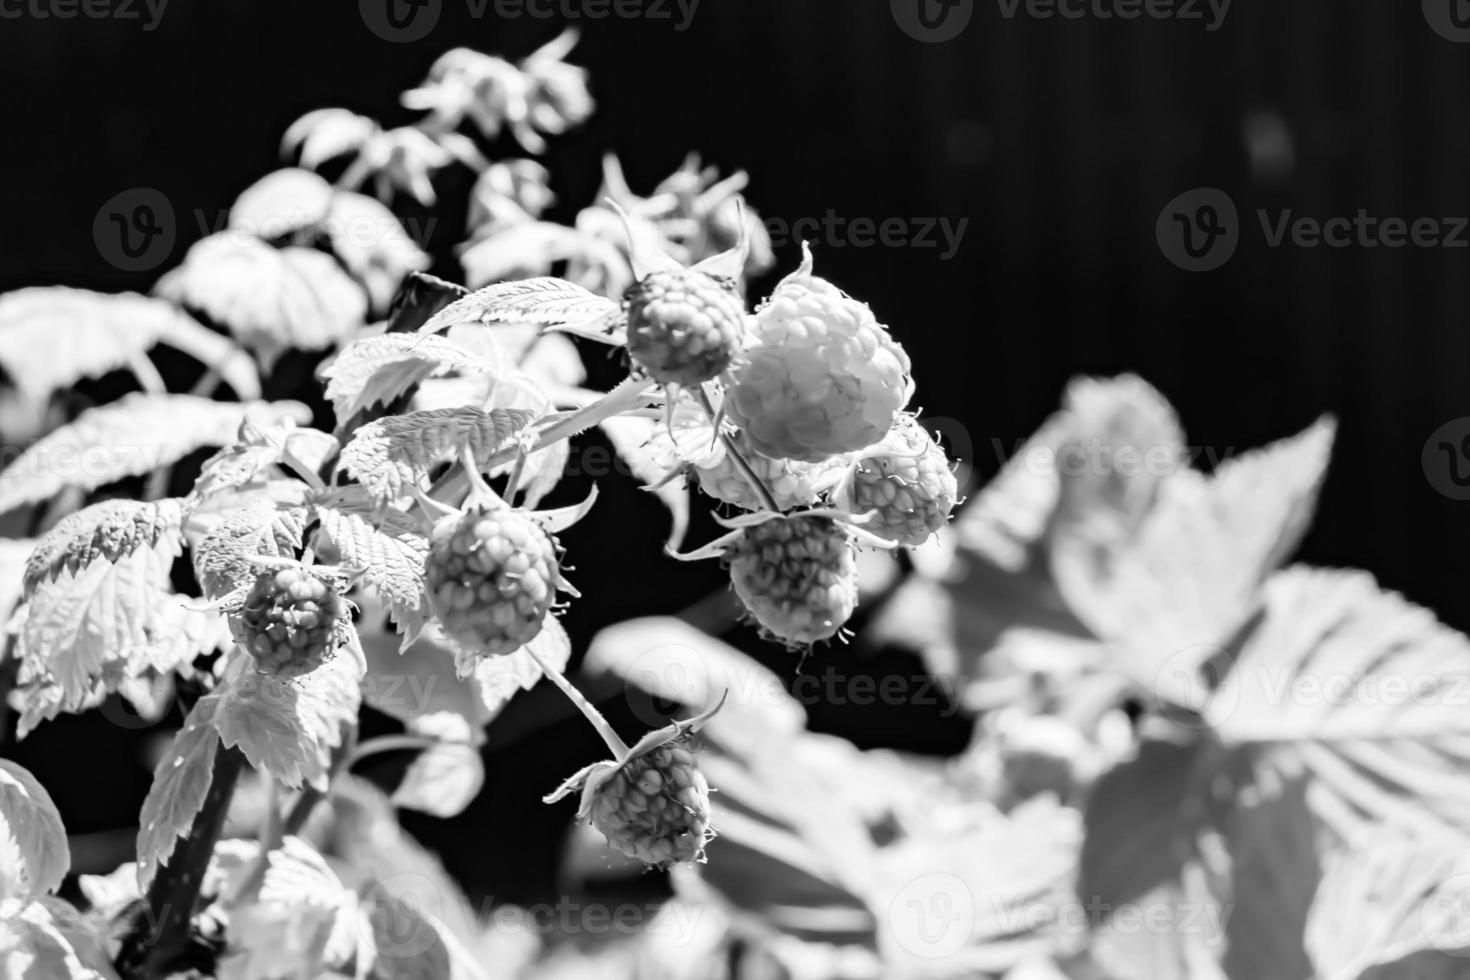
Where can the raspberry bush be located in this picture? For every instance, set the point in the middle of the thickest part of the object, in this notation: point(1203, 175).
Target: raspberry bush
point(1162, 717)
point(260, 587)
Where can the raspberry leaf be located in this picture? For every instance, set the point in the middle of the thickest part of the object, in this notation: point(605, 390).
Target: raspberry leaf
point(543, 471)
point(387, 545)
point(390, 456)
point(180, 783)
point(109, 531)
point(54, 336)
point(552, 303)
point(255, 450)
point(442, 780)
point(290, 727)
point(280, 203)
point(34, 856)
point(326, 133)
point(499, 678)
point(1360, 690)
point(1393, 906)
point(272, 300)
point(135, 435)
point(101, 617)
point(224, 561)
point(50, 940)
point(375, 370)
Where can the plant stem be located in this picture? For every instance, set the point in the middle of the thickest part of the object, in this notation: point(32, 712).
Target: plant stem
point(160, 932)
point(302, 470)
point(741, 463)
point(617, 745)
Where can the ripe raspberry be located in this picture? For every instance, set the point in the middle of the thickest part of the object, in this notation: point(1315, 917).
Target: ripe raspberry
point(792, 483)
point(824, 378)
point(797, 576)
point(683, 327)
point(288, 621)
point(492, 574)
point(906, 480)
point(656, 807)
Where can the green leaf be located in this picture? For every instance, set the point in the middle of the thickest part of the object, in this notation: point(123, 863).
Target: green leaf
point(542, 300)
point(1360, 690)
point(136, 434)
point(271, 300)
point(109, 531)
point(390, 456)
point(499, 678)
point(1394, 906)
point(443, 780)
point(388, 545)
point(50, 940)
point(225, 560)
point(290, 727)
point(376, 370)
point(31, 824)
point(180, 783)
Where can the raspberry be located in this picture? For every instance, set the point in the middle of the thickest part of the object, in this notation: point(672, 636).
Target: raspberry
point(656, 807)
point(288, 621)
point(824, 376)
point(492, 574)
point(797, 576)
point(792, 483)
point(906, 480)
point(683, 327)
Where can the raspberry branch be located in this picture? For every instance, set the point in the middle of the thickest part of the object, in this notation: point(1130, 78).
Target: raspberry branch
point(616, 745)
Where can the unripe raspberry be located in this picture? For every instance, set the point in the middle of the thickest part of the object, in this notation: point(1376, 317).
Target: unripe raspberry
point(792, 483)
point(287, 621)
point(684, 327)
point(656, 807)
point(492, 576)
point(824, 376)
point(906, 481)
point(797, 576)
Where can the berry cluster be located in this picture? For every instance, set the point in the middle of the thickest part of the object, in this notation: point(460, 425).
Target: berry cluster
point(289, 621)
point(492, 575)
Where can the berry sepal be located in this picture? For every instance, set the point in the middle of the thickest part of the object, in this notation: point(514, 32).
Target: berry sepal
point(653, 803)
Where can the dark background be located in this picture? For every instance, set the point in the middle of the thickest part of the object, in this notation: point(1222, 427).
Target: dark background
point(1059, 141)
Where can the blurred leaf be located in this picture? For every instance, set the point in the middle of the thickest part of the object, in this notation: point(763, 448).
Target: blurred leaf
point(34, 856)
point(443, 780)
point(135, 435)
point(499, 678)
point(1362, 691)
point(1394, 906)
point(271, 300)
point(49, 940)
point(326, 133)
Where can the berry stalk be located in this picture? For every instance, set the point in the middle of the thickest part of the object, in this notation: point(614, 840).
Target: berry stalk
point(616, 745)
point(768, 499)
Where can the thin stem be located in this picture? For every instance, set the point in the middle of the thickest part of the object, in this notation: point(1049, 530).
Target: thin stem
point(514, 483)
point(617, 745)
point(741, 463)
point(208, 382)
point(388, 743)
point(147, 374)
